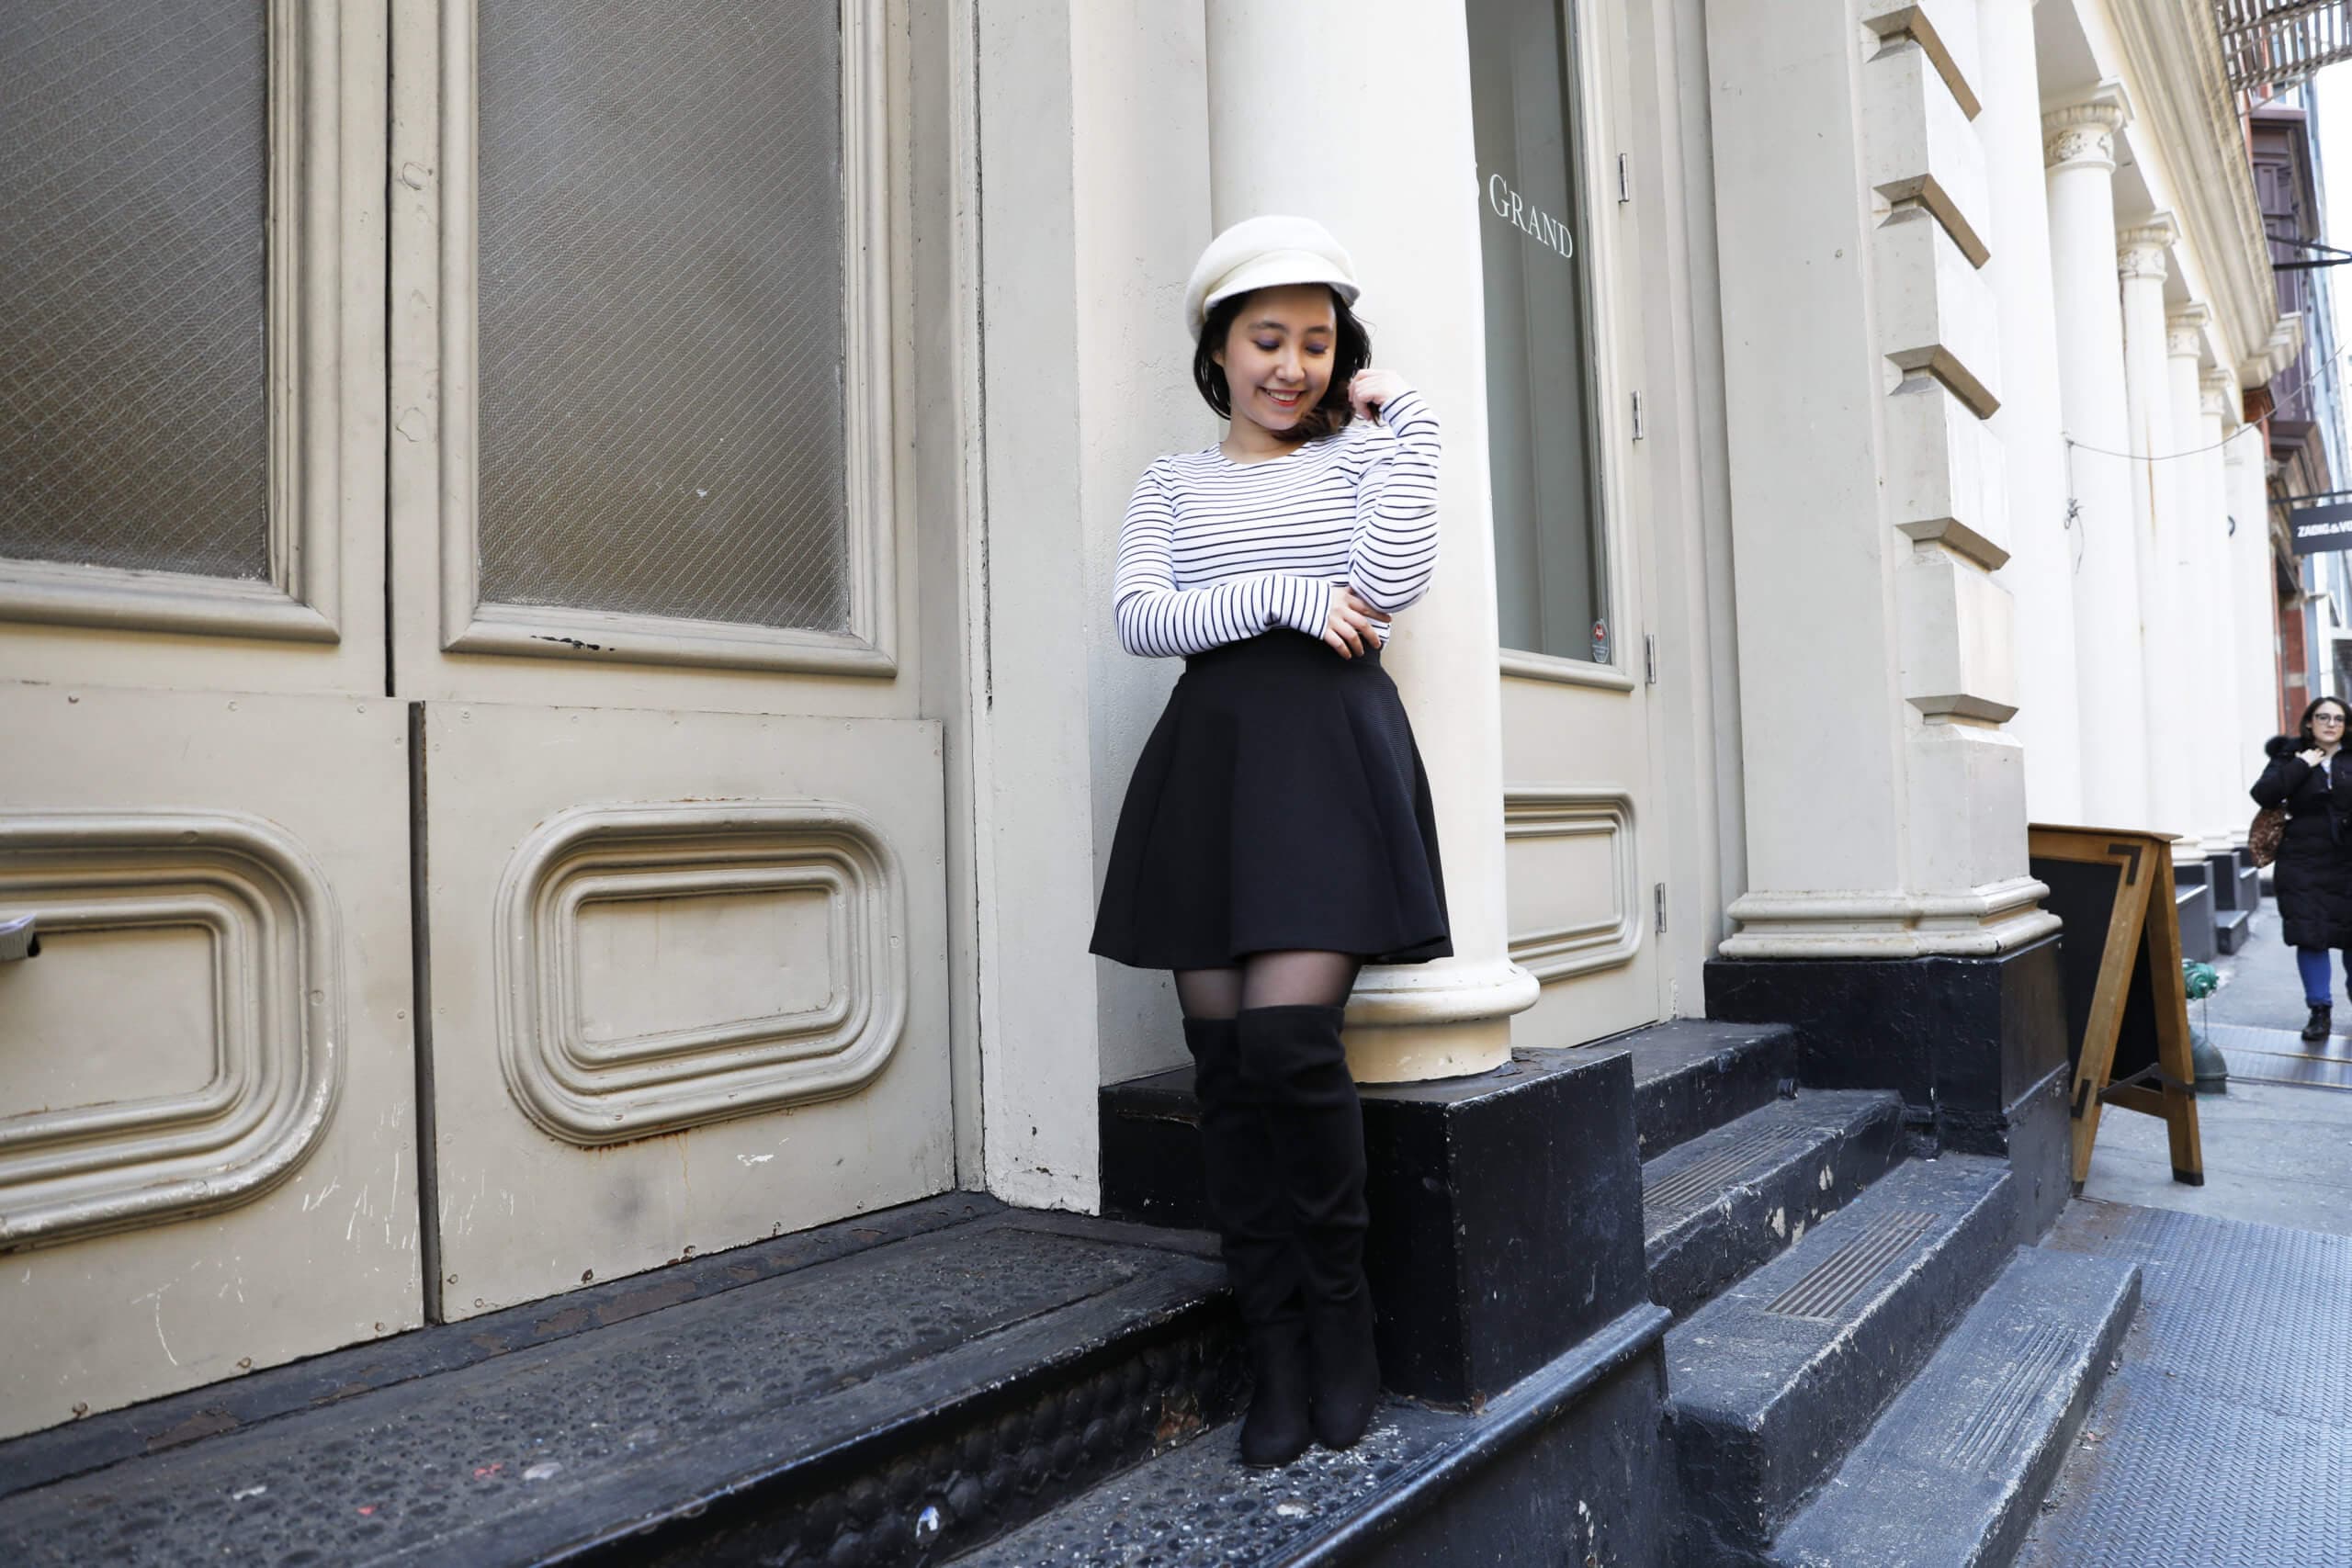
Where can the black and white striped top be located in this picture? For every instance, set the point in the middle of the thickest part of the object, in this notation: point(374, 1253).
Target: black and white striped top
point(1214, 551)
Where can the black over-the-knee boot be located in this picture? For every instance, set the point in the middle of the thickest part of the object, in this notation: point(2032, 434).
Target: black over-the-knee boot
point(1254, 1221)
point(1294, 1054)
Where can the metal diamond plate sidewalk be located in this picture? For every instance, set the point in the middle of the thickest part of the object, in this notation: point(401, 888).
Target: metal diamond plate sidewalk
point(2224, 1438)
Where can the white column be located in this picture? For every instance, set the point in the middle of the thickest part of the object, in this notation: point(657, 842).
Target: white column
point(2225, 815)
point(2103, 545)
point(2144, 258)
point(1861, 356)
point(2253, 580)
point(2187, 736)
point(1359, 115)
point(2030, 424)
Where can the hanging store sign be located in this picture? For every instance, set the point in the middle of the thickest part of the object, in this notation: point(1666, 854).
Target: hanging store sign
point(2318, 529)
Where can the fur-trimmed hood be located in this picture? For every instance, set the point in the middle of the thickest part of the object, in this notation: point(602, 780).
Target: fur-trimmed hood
point(2281, 746)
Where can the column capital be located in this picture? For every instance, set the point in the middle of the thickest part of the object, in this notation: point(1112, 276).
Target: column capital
point(2144, 249)
point(2184, 331)
point(2084, 134)
point(2220, 397)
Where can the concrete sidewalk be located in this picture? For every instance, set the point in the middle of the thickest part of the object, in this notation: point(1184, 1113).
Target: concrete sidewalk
point(2274, 1153)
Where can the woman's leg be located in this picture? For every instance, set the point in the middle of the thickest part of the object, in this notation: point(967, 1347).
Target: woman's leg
point(1243, 1173)
point(2312, 962)
point(1209, 993)
point(1288, 1032)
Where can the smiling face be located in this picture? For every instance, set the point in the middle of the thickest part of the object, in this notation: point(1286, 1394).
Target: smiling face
point(1277, 356)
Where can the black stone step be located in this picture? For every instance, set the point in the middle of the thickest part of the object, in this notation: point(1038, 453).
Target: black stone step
point(1717, 1206)
point(1955, 1474)
point(1693, 1075)
point(1562, 1458)
point(2231, 928)
point(1774, 1381)
point(882, 1404)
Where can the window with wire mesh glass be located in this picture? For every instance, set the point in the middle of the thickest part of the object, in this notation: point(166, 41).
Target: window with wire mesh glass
point(660, 310)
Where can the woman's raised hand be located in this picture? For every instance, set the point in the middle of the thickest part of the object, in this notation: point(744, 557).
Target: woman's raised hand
point(1371, 388)
point(2314, 756)
point(1354, 626)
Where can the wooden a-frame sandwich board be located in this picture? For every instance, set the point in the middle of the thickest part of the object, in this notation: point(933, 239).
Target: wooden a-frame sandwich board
point(2127, 1007)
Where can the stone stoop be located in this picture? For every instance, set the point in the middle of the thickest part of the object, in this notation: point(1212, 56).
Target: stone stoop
point(1732, 1199)
point(1561, 1468)
point(1955, 1474)
point(880, 1392)
point(1774, 1381)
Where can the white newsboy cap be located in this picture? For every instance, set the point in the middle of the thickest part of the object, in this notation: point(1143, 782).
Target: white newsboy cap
point(1266, 253)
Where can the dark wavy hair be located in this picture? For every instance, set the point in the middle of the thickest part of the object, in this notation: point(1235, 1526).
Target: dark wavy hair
point(1350, 352)
point(2304, 726)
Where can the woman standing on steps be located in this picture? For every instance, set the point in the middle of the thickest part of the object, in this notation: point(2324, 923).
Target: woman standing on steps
point(1278, 834)
point(2310, 777)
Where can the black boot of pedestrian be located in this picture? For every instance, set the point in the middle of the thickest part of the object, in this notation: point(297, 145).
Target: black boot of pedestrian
point(1294, 1057)
point(1254, 1222)
point(2323, 1020)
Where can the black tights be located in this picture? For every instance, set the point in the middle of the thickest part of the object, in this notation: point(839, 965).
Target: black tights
point(1300, 978)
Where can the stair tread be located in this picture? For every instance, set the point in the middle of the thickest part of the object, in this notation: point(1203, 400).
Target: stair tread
point(735, 1396)
point(1730, 1199)
point(1196, 1503)
point(1685, 1179)
point(1954, 1471)
point(1774, 1381)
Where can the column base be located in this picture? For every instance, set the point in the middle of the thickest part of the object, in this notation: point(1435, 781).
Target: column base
point(1420, 1023)
point(1997, 917)
point(1977, 1046)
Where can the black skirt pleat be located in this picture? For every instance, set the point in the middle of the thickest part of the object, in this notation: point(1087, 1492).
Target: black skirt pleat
point(1279, 803)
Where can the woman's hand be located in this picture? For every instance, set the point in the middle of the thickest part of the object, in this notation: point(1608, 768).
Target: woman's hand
point(2314, 756)
point(1371, 388)
point(1354, 626)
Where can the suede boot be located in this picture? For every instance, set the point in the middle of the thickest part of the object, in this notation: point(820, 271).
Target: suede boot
point(1254, 1223)
point(1294, 1059)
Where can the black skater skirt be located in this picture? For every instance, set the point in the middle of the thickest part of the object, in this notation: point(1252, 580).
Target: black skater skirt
point(1279, 803)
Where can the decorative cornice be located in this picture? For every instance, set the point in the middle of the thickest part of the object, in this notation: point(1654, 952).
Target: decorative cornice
point(2172, 56)
point(2144, 249)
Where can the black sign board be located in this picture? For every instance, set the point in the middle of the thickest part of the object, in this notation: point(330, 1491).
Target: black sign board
point(2318, 529)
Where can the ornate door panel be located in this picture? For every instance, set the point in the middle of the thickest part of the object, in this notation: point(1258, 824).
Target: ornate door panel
point(208, 1155)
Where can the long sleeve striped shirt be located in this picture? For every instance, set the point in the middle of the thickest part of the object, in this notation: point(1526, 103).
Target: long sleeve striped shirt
point(1214, 551)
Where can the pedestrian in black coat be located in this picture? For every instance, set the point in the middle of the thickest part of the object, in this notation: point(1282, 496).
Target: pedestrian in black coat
point(2311, 776)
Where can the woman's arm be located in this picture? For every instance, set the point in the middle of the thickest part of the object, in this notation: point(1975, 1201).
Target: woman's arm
point(1159, 620)
point(1394, 553)
point(2280, 780)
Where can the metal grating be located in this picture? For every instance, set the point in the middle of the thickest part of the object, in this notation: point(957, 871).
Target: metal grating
point(2269, 43)
point(660, 324)
point(1704, 1180)
point(1830, 1286)
point(2027, 1368)
point(134, 418)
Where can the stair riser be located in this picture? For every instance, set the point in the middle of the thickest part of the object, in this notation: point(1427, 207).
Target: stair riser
point(1674, 1108)
point(984, 1465)
point(1741, 1479)
point(1746, 1225)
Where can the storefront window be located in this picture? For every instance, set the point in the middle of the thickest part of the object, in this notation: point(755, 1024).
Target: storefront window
point(1551, 570)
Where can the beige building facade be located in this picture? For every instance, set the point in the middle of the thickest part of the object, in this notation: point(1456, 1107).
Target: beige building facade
point(626, 772)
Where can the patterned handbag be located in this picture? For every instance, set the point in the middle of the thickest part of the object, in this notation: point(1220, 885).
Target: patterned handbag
point(2262, 838)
